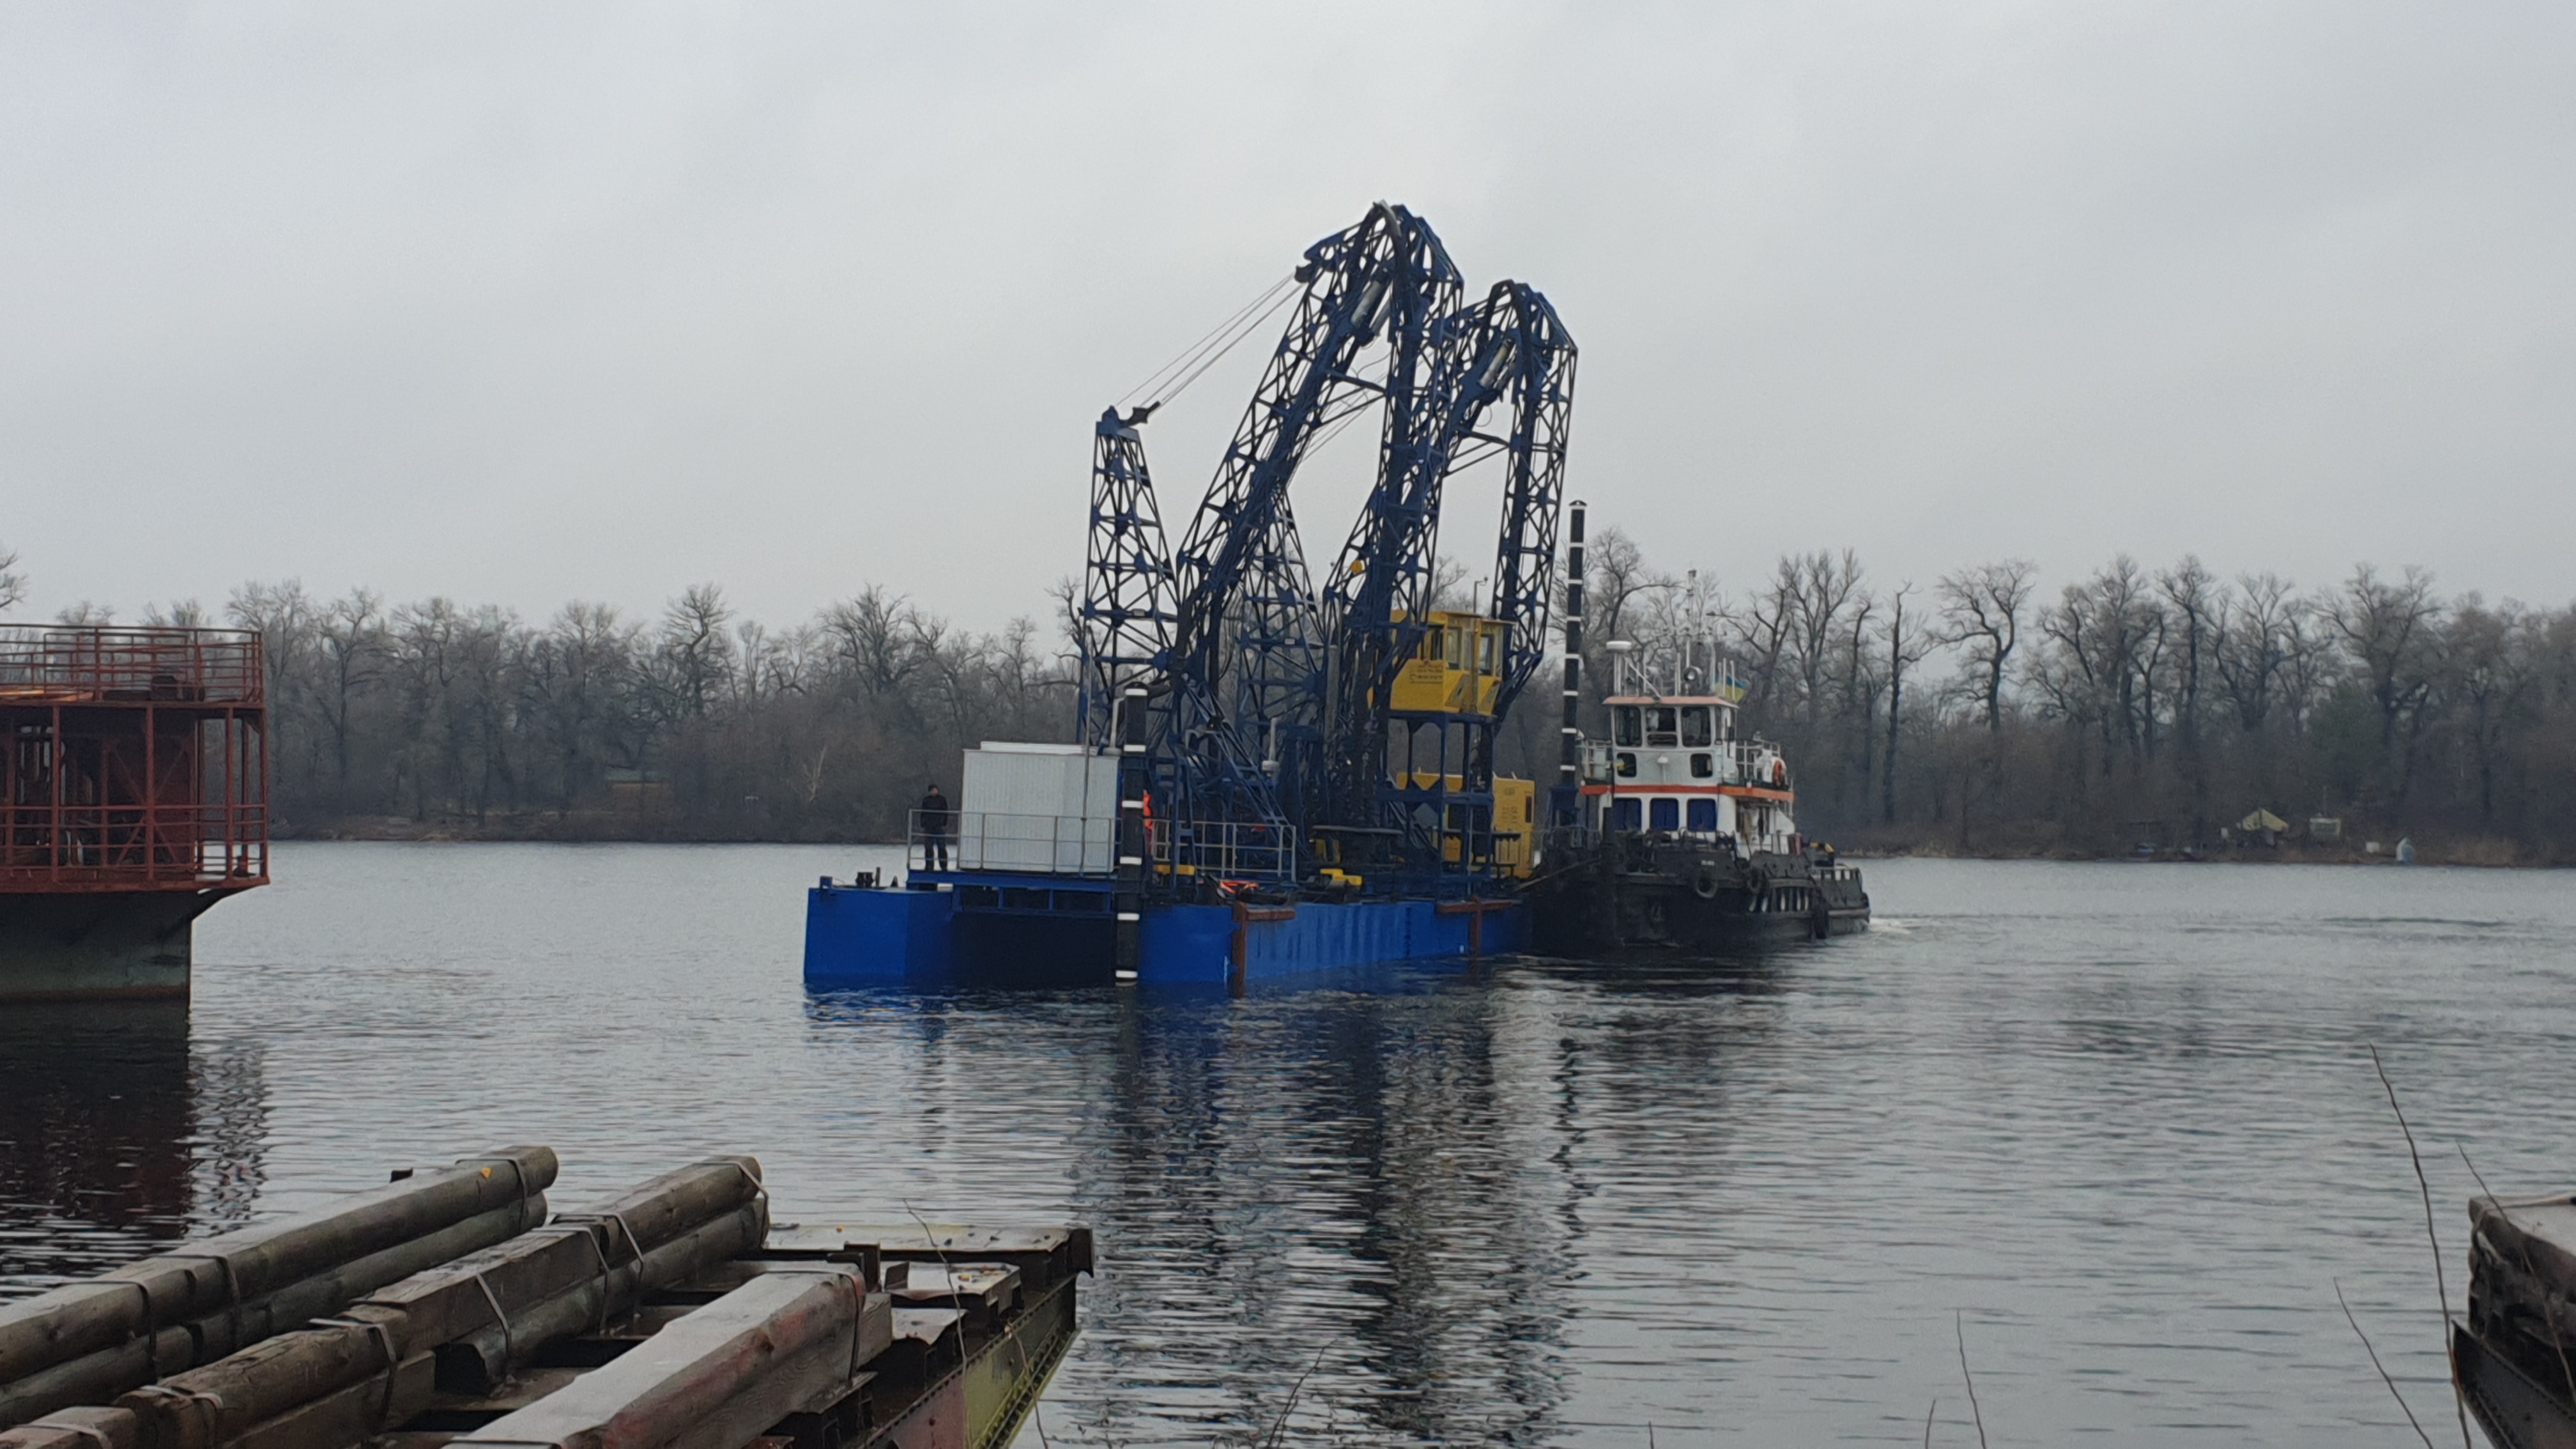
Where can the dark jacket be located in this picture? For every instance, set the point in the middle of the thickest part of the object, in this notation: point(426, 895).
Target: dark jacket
point(936, 816)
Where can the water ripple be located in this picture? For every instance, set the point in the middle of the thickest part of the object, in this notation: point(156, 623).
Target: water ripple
point(2113, 1121)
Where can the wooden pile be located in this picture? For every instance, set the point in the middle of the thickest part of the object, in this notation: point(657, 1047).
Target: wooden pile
point(668, 1317)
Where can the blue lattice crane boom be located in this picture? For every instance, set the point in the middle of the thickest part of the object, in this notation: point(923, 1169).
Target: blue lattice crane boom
point(1248, 649)
point(1510, 346)
point(1541, 389)
point(1379, 596)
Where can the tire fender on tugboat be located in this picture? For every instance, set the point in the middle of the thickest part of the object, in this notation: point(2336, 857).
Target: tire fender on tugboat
point(1705, 882)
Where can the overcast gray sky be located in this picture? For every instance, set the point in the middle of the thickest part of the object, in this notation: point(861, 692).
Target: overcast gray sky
point(524, 303)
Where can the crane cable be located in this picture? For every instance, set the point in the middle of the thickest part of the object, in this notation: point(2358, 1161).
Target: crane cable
point(1166, 382)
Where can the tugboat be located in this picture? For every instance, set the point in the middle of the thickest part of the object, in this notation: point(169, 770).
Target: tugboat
point(1682, 834)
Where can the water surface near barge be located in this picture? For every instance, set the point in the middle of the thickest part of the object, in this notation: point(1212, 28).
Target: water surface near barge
point(2117, 1116)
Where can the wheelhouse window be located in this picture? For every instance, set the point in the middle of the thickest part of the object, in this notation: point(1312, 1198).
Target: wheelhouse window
point(1627, 765)
point(1625, 814)
point(1703, 766)
point(1703, 816)
point(1663, 724)
point(1624, 726)
point(1697, 732)
point(1666, 812)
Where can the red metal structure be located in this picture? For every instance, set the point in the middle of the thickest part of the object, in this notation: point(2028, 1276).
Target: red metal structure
point(135, 759)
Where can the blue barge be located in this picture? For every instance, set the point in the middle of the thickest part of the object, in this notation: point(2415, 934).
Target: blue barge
point(947, 927)
point(1029, 884)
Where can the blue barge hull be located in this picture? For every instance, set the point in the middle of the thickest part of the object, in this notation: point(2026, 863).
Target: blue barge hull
point(1047, 930)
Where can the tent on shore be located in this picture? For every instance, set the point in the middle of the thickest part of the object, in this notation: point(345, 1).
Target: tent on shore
point(2263, 825)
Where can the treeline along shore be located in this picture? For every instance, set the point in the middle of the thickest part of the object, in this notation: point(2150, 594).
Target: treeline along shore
point(1984, 712)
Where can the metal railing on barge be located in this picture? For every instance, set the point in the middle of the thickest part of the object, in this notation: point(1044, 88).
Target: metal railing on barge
point(103, 664)
point(1085, 845)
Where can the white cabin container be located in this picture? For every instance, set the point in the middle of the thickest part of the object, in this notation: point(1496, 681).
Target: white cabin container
point(1040, 808)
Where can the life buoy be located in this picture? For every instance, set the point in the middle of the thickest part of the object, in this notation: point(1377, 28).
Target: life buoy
point(1780, 773)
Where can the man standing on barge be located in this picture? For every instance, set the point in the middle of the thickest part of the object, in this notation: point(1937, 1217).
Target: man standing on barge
point(934, 820)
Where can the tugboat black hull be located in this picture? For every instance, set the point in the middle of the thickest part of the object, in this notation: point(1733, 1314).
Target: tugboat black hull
point(1627, 897)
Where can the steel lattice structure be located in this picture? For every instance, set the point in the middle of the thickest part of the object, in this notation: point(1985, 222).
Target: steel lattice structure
point(1241, 693)
point(1127, 597)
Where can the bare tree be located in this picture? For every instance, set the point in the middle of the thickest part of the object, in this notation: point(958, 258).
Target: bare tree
point(2488, 662)
point(1906, 644)
point(2193, 599)
point(695, 652)
point(871, 637)
point(1454, 588)
point(13, 584)
point(1822, 588)
point(1768, 621)
point(2254, 638)
point(578, 671)
point(2390, 629)
point(2103, 671)
point(1619, 573)
point(350, 636)
point(1981, 612)
point(491, 647)
point(421, 639)
point(1858, 689)
point(284, 615)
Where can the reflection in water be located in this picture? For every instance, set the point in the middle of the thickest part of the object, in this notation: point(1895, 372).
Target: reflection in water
point(1378, 1186)
point(1336, 1177)
point(117, 1134)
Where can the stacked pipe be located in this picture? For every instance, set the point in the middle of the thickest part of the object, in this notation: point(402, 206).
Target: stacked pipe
point(85, 1343)
point(463, 1327)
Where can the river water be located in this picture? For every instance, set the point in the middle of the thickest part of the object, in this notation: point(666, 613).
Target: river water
point(2111, 1126)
